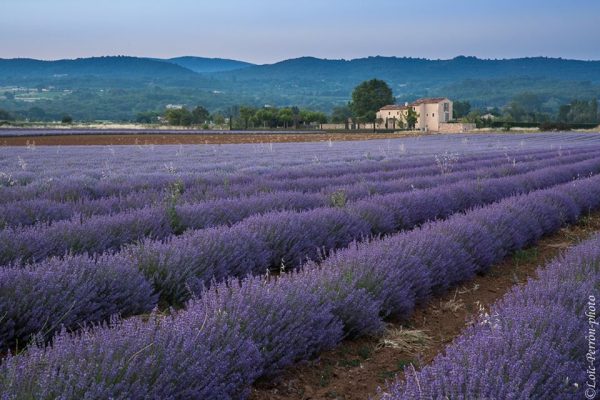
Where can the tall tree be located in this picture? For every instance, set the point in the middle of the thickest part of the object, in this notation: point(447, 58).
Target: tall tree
point(246, 114)
point(579, 111)
point(341, 114)
point(411, 118)
point(147, 117)
point(296, 116)
point(368, 98)
point(525, 107)
point(307, 117)
point(179, 116)
point(218, 118)
point(268, 117)
point(461, 109)
point(5, 115)
point(285, 116)
point(200, 115)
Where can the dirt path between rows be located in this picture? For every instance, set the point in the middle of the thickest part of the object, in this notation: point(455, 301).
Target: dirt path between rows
point(158, 139)
point(356, 368)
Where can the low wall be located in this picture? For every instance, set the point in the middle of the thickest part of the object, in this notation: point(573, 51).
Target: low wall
point(456, 127)
point(334, 126)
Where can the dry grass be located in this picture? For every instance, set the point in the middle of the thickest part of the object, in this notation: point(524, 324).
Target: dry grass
point(411, 341)
point(452, 305)
point(464, 289)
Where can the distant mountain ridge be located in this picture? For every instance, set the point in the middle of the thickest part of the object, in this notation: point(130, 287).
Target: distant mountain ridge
point(208, 65)
point(100, 66)
point(395, 69)
point(415, 69)
point(122, 66)
point(119, 87)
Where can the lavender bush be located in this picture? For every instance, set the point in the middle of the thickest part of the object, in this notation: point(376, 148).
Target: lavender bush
point(67, 293)
point(285, 321)
point(192, 357)
point(94, 236)
point(530, 345)
point(179, 267)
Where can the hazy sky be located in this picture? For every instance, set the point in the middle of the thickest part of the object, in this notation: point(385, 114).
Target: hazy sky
point(264, 31)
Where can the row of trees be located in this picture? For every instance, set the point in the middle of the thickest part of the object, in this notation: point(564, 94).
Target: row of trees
point(33, 114)
point(184, 117)
point(243, 117)
point(530, 108)
point(181, 116)
point(272, 117)
point(579, 111)
point(6, 116)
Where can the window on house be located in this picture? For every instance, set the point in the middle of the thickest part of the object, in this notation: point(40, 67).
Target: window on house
point(433, 114)
point(446, 107)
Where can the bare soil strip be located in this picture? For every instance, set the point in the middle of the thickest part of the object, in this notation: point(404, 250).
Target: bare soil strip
point(356, 368)
point(158, 139)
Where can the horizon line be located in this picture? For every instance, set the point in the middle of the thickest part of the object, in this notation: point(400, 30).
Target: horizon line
point(301, 57)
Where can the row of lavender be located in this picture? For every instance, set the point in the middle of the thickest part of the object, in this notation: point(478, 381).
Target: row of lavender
point(239, 330)
point(220, 184)
point(79, 170)
point(110, 232)
point(106, 161)
point(139, 190)
point(69, 291)
point(101, 185)
point(354, 184)
point(538, 342)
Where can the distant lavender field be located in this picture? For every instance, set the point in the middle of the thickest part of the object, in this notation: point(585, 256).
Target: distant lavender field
point(93, 161)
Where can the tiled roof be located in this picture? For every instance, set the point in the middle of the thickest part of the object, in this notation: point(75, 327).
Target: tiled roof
point(393, 107)
point(431, 100)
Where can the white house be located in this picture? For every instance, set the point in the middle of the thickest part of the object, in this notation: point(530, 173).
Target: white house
point(432, 113)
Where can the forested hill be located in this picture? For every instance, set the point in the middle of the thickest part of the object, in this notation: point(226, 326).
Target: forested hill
point(120, 87)
point(120, 66)
point(409, 69)
point(307, 69)
point(208, 65)
point(321, 82)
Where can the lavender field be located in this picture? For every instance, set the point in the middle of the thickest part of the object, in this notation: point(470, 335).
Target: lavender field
point(189, 272)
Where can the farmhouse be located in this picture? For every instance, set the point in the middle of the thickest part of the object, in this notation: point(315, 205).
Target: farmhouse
point(432, 113)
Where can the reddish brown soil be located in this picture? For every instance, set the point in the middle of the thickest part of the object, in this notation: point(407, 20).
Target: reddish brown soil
point(157, 139)
point(356, 368)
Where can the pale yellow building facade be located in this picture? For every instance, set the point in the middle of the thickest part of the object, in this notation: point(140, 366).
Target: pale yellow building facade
point(432, 113)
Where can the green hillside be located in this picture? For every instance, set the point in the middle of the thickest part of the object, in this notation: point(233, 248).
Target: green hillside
point(118, 88)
